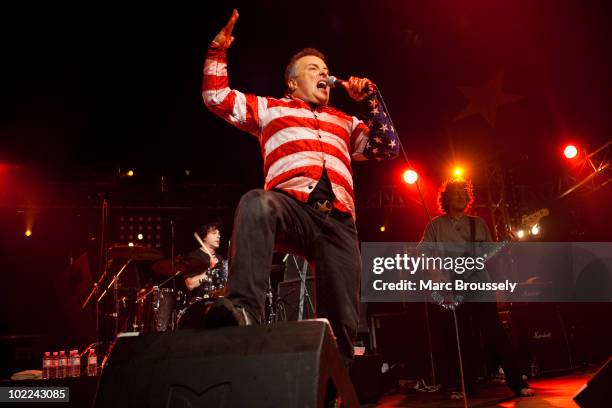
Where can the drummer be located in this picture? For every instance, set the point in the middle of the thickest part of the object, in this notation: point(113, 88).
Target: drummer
point(203, 258)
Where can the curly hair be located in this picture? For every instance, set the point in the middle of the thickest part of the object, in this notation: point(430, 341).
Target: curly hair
point(208, 227)
point(302, 53)
point(443, 199)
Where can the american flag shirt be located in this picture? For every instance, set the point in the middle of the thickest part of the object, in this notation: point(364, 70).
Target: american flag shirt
point(297, 142)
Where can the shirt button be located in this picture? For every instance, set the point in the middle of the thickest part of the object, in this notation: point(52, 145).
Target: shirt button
point(310, 187)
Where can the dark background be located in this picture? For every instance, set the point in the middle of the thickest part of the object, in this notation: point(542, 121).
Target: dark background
point(87, 92)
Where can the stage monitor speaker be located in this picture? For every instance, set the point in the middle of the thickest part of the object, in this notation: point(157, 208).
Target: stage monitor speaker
point(367, 377)
point(596, 392)
point(290, 364)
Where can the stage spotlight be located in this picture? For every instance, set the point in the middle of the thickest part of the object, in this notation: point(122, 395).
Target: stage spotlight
point(458, 172)
point(570, 151)
point(520, 234)
point(383, 228)
point(140, 237)
point(410, 176)
point(535, 230)
point(129, 173)
point(28, 233)
point(131, 244)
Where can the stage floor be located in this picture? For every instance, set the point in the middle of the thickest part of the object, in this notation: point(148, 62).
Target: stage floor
point(554, 392)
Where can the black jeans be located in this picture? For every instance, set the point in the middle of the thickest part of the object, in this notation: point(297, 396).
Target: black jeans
point(268, 220)
point(482, 319)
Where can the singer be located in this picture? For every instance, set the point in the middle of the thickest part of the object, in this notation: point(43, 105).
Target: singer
point(307, 204)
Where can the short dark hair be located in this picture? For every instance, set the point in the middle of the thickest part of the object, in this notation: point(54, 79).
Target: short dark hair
point(302, 53)
point(443, 201)
point(208, 227)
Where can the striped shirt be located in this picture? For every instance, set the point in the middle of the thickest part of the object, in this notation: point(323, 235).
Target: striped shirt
point(297, 142)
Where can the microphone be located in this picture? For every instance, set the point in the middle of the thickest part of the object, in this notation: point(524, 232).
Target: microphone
point(334, 82)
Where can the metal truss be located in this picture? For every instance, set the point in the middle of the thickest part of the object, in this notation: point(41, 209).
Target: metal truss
point(590, 174)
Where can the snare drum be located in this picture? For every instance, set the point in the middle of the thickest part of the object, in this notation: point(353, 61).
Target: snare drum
point(157, 311)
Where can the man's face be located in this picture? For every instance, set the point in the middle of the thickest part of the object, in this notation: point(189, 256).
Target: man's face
point(308, 72)
point(213, 238)
point(457, 197)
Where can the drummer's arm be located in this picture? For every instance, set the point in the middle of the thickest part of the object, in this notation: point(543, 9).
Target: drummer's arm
point(195, 281)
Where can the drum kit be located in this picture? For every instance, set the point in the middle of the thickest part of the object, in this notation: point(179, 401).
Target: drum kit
point(158, 307)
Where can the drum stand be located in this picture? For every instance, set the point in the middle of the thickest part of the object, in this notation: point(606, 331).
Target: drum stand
point(115, 285)
point(303, 290)
point(270, 307)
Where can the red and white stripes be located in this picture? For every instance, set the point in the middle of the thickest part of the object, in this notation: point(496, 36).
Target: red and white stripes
point(296, 141)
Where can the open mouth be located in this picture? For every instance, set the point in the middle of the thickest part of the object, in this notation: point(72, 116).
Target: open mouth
point(322, 84)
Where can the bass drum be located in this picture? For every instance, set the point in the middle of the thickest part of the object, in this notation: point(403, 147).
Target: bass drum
point(158, 310)
point(192, 317)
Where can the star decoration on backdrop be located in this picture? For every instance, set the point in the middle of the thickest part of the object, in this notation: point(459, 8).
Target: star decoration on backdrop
point(486, 101)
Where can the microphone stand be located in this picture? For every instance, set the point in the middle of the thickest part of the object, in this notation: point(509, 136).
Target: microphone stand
point(172, 249)
point(429, 218)
point(433, 373)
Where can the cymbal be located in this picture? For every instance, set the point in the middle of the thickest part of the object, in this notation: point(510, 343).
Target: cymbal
point(186, 266)
point(136, 253)
point(164, 267)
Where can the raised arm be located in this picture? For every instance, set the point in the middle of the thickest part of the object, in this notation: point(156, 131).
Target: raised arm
point(237, 108)
point(374, 137)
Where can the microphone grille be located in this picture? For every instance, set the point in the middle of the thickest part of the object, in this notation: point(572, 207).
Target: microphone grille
point(331, 81)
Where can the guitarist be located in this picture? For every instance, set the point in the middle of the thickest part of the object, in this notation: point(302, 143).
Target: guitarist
point(455, 226)
point(202, 259)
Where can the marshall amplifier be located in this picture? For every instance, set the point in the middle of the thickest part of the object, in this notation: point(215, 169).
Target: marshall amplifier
point(541, 338)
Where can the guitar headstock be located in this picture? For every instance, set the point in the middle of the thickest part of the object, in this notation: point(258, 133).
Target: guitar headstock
point(534, 218)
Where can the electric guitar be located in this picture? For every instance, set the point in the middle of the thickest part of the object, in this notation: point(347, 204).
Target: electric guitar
point(450, 299)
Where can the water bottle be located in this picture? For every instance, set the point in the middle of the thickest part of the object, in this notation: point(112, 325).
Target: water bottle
point(92, 363)
point(75, 364)
point(53, 368)
point(46, 365)
point(534, 369)
point(62, 371)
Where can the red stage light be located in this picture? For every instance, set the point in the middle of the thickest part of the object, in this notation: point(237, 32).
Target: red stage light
point(570, 151)
point(410, 176)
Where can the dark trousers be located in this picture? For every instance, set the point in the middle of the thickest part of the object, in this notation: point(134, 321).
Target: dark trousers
point(481, 332)
point(268, 220)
